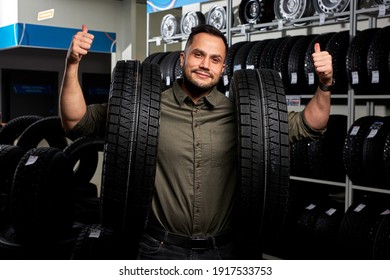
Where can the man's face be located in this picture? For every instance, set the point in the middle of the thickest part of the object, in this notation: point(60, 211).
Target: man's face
point(203, 62)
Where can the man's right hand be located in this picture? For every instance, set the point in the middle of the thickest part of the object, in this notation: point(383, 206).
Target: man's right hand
point(81, 43)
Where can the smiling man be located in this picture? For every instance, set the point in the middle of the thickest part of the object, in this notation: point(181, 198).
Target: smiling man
point(195, 182)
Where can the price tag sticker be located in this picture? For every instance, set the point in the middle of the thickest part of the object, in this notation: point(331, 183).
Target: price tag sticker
point(280, 24)
point(250, 66)
point(359, 208)
point(158, 41)
point(375, 77)
point(355, 77)
point(311, 78)
point(294, 78)
point(382, 10)
point(95, 233)
point(31, 160)
point(322, 19)
point(330, 211)
point(225, 80)
point(311, 206)
point(355, 130)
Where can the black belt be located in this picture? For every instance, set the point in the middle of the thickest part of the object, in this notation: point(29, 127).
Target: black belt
point(189, 242)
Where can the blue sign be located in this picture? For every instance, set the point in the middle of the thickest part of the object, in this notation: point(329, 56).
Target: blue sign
point(153, 6)
point(32, 35)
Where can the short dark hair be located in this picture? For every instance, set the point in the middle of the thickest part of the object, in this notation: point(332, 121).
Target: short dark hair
point(206, 28)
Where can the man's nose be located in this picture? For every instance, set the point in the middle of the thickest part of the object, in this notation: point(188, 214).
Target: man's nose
point(205, 63)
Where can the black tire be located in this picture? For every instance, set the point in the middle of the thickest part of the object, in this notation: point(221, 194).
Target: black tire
point(254, 54)
point(263, 158)
point(378, 60)
point(239, 61)
point(167, 67)
point(357, 61)
point(280, 60)
point(373, 148)
point(268, 53)
point(232, 51)
point(353, 149)
point(296, 66)
point(96, 243)
point(326, 154)
point(130, 151)
point(42, 196)
point(381, 247)
point(10, 156)
point(83, 154)
point(12, 249)
point(299, 159)
point(49, 129)
point(326, 230)
point(11, 131)
point(359, 226)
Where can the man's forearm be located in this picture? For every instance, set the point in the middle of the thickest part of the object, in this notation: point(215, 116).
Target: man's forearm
point(72, 103)
point(317, 110)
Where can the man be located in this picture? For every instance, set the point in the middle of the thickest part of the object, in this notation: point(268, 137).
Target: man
point(196, 169)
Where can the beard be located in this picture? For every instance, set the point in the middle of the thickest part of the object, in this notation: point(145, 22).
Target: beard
point(195, 87)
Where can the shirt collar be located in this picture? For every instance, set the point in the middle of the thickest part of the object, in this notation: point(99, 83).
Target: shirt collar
point(211, 99)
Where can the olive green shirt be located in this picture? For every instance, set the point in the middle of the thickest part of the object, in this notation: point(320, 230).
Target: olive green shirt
point(196, 162)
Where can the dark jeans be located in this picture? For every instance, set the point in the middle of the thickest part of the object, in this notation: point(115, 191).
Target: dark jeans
point(152, 249)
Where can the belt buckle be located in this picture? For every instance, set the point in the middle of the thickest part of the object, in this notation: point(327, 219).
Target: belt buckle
point(200, 243)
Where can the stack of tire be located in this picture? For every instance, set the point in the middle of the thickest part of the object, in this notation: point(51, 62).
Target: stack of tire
point(39, 189)
point(361, 63)
point(321, 159)
point(366, 152)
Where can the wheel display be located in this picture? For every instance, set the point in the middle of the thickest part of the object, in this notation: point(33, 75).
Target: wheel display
point(170, 26)
point(217, 17)
point(190, 20)
point(293, 9)
point(330, 6)
point(250, 11)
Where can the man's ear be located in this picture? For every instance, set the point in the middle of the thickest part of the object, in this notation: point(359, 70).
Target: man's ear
point(181, 59)
point(223, 69)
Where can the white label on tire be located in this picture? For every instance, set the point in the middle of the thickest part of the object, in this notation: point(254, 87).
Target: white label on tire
point(225, 80)
point(294, 78)
point(250, 66)
point(311, 78)
point(355, 130)
point(31, 160)
point(331, 211)
point(95, 233)
point(355, 77)
point(386, 212)
point(359, 208)
point(311, 206)
point(382, 10)
point(237, 67)
point(375, 77)
point(372, 133)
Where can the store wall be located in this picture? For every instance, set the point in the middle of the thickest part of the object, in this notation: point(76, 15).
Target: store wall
point(125, 18)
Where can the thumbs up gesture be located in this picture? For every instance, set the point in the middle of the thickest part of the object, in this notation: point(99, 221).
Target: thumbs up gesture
point(80, 45)
point(323, 65)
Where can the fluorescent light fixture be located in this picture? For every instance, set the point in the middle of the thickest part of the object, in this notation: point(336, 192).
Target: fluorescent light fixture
point(45, 14)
